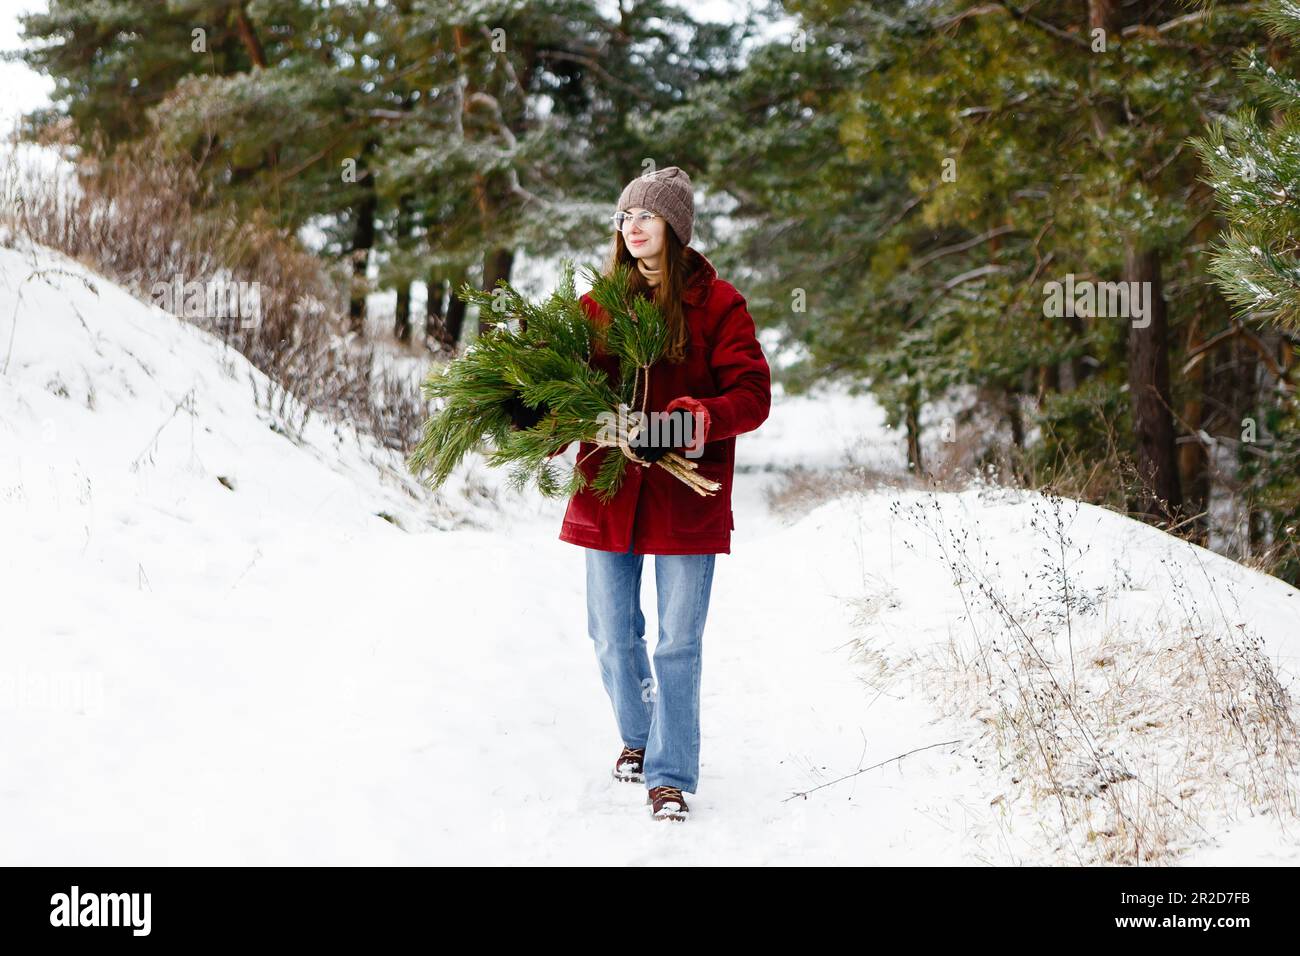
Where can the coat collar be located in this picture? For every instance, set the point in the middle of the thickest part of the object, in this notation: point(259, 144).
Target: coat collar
point(701, 278)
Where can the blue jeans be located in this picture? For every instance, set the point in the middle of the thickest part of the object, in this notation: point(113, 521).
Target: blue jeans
point(664, 718)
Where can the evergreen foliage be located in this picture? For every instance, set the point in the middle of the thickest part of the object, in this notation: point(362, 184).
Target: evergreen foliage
point(1253, 163)
point(541, 352)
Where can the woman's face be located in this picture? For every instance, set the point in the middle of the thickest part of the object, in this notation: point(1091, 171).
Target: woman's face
point(644, 239)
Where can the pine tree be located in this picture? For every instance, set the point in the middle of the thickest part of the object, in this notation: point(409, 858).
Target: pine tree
point(433, 140)
point(940, 162)
point(1254, 168)
point(1253, 163)
point(114, 61)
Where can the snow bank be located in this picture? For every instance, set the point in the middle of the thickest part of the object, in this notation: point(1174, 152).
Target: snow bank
point(1168, 731)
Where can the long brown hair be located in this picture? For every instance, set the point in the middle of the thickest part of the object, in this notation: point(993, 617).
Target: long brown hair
point(668, 294)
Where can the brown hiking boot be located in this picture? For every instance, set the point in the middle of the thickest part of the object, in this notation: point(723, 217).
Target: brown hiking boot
point(630, 766)
point(667, 803)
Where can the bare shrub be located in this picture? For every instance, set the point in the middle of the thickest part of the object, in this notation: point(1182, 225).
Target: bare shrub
point(143, 220)
point(1133, 737)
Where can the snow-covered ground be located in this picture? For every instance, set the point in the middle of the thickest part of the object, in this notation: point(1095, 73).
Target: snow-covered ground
point(216, 649)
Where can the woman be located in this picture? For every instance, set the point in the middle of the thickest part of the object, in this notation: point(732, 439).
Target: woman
point(716, 379)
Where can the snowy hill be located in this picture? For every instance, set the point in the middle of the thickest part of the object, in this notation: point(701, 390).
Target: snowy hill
point(217, 649)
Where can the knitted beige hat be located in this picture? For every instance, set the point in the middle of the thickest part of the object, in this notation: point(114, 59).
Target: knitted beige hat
point(666, 192)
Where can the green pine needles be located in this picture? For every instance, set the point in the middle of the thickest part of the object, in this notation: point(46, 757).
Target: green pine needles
point(540, 353)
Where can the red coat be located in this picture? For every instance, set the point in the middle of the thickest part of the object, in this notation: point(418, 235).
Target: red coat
point(726, 380)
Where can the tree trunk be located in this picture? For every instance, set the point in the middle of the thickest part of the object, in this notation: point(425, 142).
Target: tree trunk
point(402, 313)
point(914, 462)
point(1016, 420)
point(1049, 380)
point(1257, 529)
point(1101, 16)
point(248, 35)
point(363, 240)
point(435, 322)
point(1193, 462)
point(497, 264)
point(455, 308)
point(1072, 369)
point(1160, 497)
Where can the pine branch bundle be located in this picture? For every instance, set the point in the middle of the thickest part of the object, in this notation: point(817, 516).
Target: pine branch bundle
point(540, 354)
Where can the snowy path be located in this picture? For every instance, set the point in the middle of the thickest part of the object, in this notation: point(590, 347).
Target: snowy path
point(343, 703)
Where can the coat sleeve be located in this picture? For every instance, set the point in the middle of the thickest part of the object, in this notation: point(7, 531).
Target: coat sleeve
point(744, 380)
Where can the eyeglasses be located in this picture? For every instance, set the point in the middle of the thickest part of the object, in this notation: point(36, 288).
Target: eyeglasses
point(621, 219)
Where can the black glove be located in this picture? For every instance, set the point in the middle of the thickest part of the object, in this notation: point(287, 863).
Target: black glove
point(676, 424)
point(521, 416)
